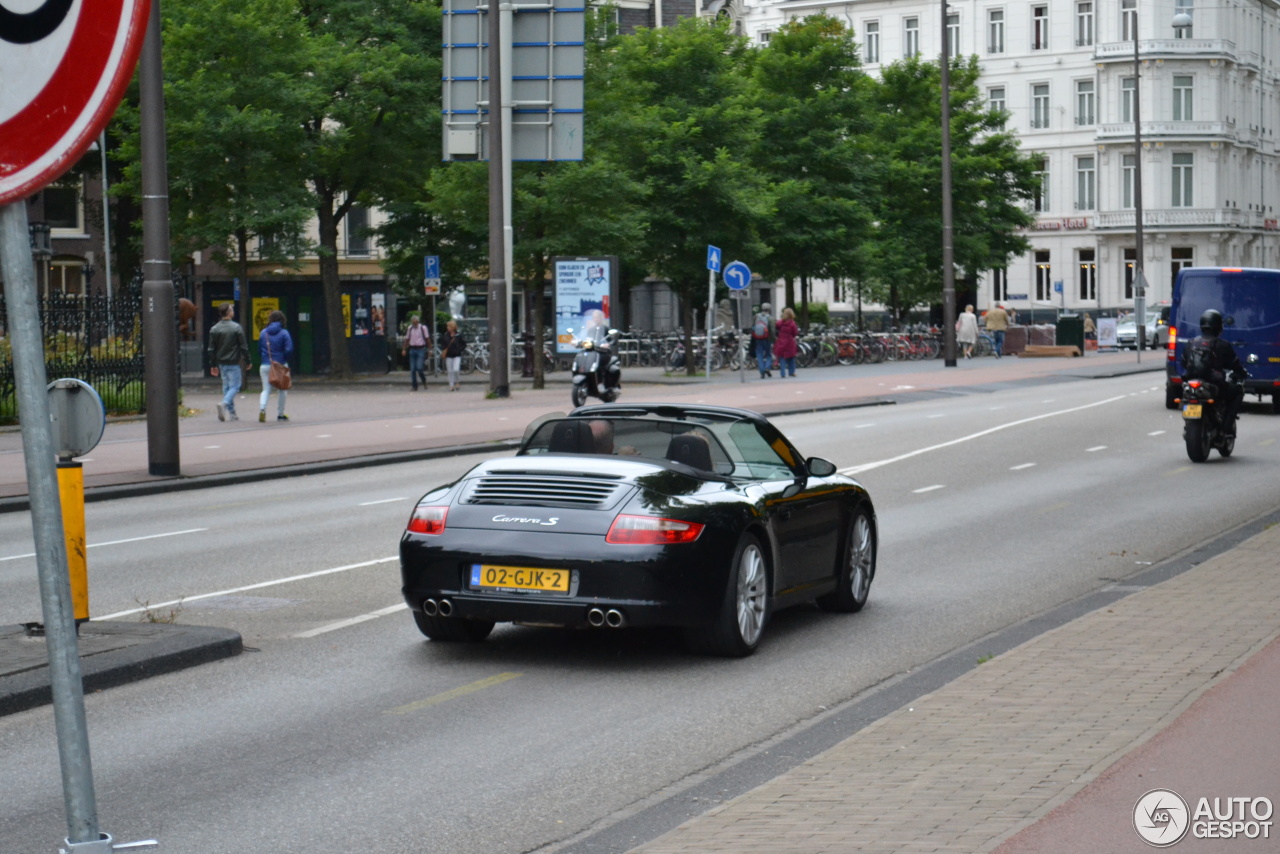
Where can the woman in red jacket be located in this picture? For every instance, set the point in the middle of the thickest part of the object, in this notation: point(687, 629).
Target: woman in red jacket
point(785, 347)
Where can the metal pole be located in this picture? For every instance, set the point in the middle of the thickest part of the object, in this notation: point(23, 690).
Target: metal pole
point(711, 302)
point(46, 526)
point(106, 223)
point(498, 167)
point(742, 343)
point(948, 250)
point(435, 341)
point(159, 332)
point(1139, 280)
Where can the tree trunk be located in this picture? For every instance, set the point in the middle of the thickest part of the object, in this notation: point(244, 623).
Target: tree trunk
point(339, 355)
point(790, 292)
point(804, 300)
point(245, 308)
point(686, 305)
point(535, 322)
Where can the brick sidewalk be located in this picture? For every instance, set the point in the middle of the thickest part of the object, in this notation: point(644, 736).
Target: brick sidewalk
point(966, 767)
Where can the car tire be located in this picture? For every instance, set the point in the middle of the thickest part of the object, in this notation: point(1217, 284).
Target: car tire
point(1275, 404)
point(744, 610)
point(1171, 393)
point(857, 567)
point(451, 629)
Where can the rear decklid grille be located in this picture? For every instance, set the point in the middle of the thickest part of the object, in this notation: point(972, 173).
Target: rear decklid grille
point(589, 492)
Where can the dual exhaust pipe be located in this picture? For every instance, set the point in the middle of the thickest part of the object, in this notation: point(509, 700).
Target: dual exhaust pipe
point(613, 618)
point(432, 608)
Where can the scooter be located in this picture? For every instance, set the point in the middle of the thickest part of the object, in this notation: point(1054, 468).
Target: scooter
point(1204, 408)
point(596, 371)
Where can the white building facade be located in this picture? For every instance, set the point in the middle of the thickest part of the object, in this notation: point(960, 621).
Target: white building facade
point(1064, 69)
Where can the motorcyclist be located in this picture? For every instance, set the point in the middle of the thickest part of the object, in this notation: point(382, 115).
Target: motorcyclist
point(1222, 358)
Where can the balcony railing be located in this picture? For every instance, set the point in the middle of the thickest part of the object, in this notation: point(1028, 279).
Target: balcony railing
point(1155, 131)
point(1174, 217)
point(1123, 51)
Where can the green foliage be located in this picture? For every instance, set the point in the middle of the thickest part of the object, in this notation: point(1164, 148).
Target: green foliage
point(819, 313)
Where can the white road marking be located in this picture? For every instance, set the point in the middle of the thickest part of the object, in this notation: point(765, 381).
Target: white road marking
point(118, 542)
point(1155, 432)
point(994, 408)
point(1021, 467)
point(928, 488)
point(258, 586)
point(419, 426)
point(381, 501)
point(860, 426)
point(938, 415)
point(342, 624)
point(325, 436)
point(1095, 448)
point(878, 463)
point(211, 447)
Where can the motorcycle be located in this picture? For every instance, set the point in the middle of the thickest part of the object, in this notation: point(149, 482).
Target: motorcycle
point(1204, 406)
point(596, 371)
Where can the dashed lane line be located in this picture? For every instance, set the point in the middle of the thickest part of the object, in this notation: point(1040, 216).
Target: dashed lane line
point(118, 542)
point(380, 501)
point(1021, 467)
point(351, 621)
point(929, 488)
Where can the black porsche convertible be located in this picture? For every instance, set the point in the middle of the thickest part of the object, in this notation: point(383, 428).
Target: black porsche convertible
point(699, 517)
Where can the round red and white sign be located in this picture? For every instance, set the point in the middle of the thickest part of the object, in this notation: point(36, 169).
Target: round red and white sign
point(64, 66)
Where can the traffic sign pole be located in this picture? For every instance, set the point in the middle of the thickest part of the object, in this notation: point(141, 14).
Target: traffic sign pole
point(711, 308)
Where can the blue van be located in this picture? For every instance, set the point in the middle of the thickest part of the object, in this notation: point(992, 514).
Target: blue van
point(1249, 299)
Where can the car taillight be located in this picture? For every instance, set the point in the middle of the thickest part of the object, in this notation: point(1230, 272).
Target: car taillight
point(428, 520)
point(651, 531)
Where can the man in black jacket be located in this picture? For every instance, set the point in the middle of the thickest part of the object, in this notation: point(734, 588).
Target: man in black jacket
point(1210, 353)
point(228, 351)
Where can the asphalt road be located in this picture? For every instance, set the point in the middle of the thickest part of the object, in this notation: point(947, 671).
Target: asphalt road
point(348, 734)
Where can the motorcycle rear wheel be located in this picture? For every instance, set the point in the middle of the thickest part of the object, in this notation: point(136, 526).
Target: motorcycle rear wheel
point(1198, 444)
point(1227, 445)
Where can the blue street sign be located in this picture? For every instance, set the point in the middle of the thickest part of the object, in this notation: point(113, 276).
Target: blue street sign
point(235, 289)
point(1057, 286)
point(713, 258)
point(431, 265)
point(737, 276)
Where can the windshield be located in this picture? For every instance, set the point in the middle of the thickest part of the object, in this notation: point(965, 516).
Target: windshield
point(737, 449)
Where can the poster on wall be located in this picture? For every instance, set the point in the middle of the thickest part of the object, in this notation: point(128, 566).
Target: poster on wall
point(360, 319)
point(262, 308)
point(378, 314)
point(584, 298)
point(346, 313)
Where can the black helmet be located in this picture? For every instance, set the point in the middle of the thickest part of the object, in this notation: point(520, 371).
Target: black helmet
point(1211, 323)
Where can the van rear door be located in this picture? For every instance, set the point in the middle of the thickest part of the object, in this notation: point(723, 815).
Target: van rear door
point(1249, 299)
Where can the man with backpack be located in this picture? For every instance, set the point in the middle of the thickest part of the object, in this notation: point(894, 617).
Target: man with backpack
point(762, 340)
point(1208, 357)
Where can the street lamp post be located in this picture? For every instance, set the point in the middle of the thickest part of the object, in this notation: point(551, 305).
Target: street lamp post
point(1139, 280)
point(948, 250)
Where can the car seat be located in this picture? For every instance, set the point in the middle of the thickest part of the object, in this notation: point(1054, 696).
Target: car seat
point(691, 450)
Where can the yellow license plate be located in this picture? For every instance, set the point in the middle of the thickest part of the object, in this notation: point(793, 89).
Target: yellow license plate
point(1191, 410)
point(519, 578)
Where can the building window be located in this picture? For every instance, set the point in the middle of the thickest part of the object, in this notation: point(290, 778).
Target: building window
point(1040, 105)
point(763, 37)
point(1086, 182)
point(1128, 172)
point(1042, 194)
point(1084, 24)
point(1000, 284)
point(1126, 99)
point(1128, 19)
point(1182, 92)
point(953, 36)
point(1183, 164)
point(995, 31)
point(1084, 102)
point(1181, 6)
point(911, 37)
point(357, 238)
point(996, 102)
point(1130, 256)
point(1181, 258)
point(66, 277)
point(871, 41)
point(1039, 27)
point(1088, 274)
point(64, 205)
point(1044, 276)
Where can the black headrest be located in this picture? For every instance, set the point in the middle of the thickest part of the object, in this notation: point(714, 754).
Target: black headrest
point(691, 450)
point(571, 437)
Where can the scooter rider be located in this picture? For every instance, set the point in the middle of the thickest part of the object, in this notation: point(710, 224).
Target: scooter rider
point(1222, 358)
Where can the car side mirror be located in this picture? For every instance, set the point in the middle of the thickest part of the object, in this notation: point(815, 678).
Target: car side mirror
point(819, 467)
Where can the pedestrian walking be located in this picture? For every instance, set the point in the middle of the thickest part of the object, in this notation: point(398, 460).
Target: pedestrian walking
point(275, 344)
point(762, 330)
point(416, 340)
point(228, 351)
point(967, 331)
point(785, 347)
point(997, 325)
point(454, 346)
point(1090, 329)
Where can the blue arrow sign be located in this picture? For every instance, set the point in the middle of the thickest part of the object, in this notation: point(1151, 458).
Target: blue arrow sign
point(713, 258)
point(431, 264)
point(737, 276)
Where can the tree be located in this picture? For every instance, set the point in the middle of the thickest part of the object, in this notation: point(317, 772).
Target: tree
point(991, 182)
point(674, 110)
point(814, 99)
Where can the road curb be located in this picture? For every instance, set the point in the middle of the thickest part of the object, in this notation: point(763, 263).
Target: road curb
point(170, 648)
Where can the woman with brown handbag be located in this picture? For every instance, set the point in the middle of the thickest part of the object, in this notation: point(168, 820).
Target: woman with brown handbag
point(275, 346)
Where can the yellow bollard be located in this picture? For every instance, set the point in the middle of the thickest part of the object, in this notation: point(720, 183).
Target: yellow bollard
point(71, 493)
